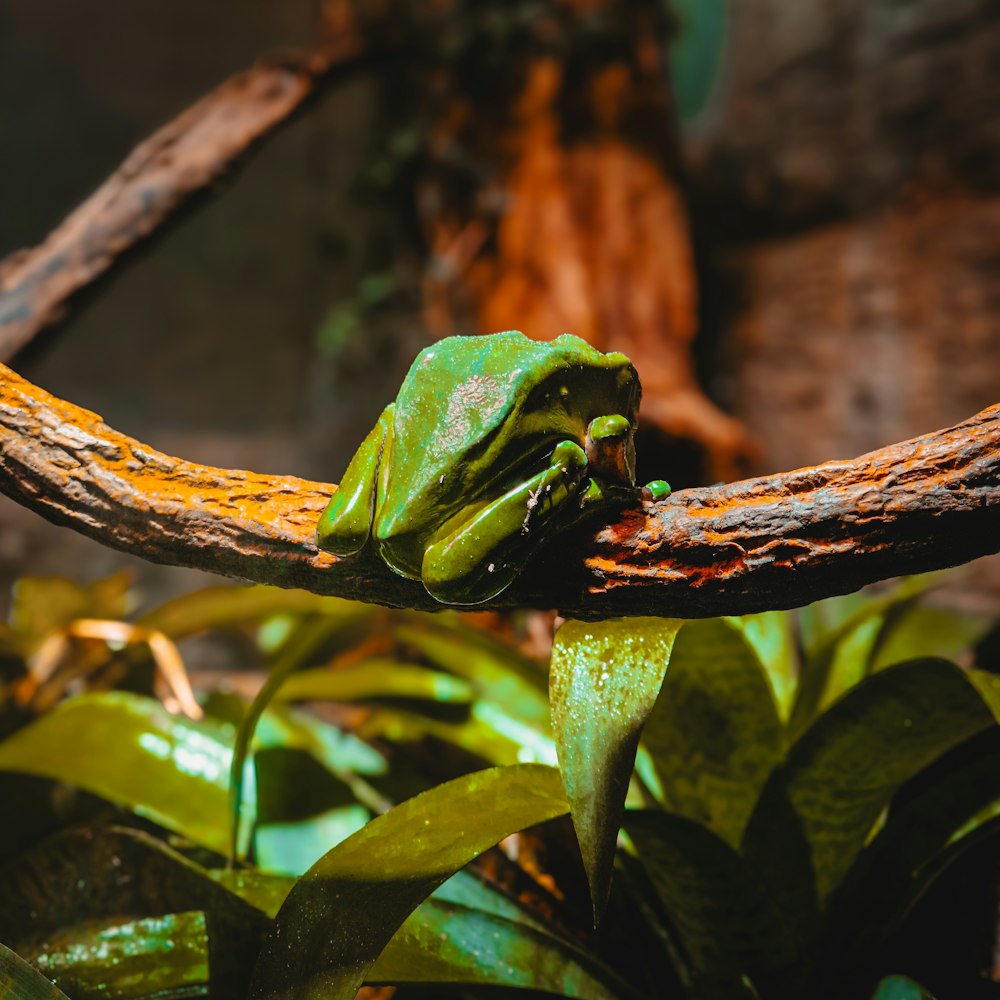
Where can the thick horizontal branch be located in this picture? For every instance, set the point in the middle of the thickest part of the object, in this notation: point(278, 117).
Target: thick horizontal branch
point(778, 541)
point(155, 180)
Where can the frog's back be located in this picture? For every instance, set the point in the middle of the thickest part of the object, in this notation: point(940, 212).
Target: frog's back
point(460, 390)
point(454, 415)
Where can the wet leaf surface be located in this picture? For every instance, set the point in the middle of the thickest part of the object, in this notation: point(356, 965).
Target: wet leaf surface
point(341, 914)
point(158, 957)
point(817, 810)
point(445, 942)
point(603, 682)
point(66, 898)
point(21, 981)
point(726, 929)
point(714, 734)
point(130, 750)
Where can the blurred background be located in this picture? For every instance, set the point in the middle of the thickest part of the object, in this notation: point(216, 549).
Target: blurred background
point(787, 214)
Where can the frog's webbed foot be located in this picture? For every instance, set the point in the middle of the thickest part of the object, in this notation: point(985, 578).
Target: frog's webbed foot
point(483, 554)
point(346, 523)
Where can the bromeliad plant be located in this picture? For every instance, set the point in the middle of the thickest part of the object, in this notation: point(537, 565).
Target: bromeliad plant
point(782, 818)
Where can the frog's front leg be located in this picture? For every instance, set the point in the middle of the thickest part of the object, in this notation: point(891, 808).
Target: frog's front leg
point(346, 523)
point(474, 559)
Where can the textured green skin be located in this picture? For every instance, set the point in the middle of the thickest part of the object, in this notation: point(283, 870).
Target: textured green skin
point(482, 451)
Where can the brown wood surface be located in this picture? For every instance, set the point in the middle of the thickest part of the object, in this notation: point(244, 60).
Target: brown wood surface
point(160, 175)
point(777, 541)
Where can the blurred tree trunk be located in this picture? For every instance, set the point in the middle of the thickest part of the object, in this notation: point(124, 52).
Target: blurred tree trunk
point(845, 187)
point(547, 197)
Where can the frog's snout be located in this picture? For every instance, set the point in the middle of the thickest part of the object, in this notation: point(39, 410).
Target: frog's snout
point(610, 449)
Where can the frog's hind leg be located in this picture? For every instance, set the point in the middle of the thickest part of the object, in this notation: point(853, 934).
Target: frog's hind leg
point(346, 523)
point(482, 555)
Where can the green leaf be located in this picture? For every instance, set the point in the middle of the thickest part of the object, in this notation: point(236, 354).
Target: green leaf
point(293, 848)
point(727, 931)
point(107, 877)
point(498, 673)
point(302, 644)
point(817, 811)
point(130, 750)
point(603, 682)
point(443, 942)
point(919, 631)
point(900, 988)
point(382, 678)
point(928, 826)
point(840, 662)
point(696, 51)
point(151, 957)
point(714, 734)
point(343, 911)
point(840, 636)
point(20, 981)
point(226, 606)
point(771, 635)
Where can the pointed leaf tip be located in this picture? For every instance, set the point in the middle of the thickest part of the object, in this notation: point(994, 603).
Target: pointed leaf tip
point(603, 683)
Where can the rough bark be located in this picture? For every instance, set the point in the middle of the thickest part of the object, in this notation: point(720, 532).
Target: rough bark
point(777, 541)
point(155, 180)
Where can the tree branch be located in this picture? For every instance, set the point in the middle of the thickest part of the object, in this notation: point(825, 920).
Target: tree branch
point(157, 177)
point(777, 541)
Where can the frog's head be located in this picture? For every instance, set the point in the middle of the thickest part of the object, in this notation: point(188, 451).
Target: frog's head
point(478, 418)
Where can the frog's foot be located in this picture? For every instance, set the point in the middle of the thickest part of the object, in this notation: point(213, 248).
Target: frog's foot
point(610, 449)
point(346, 522)
point(480, 556)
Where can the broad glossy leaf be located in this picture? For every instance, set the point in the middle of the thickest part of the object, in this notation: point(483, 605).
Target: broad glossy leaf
point(21, 981)
point(900, 988)
point(380, 678)
point(840, 662)
point(224, 606)
point(714, 734)
point(293, 848)
point(475, 735)
point(445, 942)
point(343, 912)
point(498, 673)
point(771, 635)
point(927, 827)
point(841, 655)
point(302, 644)
point(120, 959)
point(695, 52)
point(919, 631)
point(130, 750)
point(727, 931)
point(603, 682)
point(817, 811)
point(110, 876)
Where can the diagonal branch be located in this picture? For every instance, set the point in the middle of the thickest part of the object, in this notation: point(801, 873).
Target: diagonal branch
point(777, 541)
point(155, 180)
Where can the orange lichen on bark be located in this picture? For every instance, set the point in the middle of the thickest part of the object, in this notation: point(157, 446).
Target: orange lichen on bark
point(776, 541)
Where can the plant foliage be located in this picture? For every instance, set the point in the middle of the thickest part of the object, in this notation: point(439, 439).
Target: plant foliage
point(331, 816)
